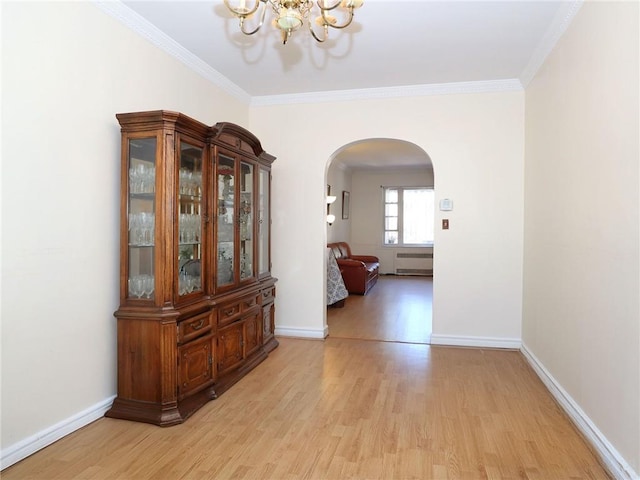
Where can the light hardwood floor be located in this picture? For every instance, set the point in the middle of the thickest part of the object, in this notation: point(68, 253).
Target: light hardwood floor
point(346, 408)
point(397, 309)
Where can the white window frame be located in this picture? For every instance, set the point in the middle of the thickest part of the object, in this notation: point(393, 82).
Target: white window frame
point(400, 229)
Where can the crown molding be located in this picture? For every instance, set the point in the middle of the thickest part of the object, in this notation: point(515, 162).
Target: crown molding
point(561, 21)
point(489, 86)
point(147, 30)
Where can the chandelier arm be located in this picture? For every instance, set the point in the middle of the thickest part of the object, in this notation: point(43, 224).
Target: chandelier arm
point(345, 25)
point(241, 14)
point(262, 15)
point(318, 39)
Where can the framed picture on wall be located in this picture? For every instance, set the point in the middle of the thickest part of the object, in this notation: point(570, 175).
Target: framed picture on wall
point(345, 205)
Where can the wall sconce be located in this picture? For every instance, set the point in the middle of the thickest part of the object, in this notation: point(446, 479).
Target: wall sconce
point(330, 218)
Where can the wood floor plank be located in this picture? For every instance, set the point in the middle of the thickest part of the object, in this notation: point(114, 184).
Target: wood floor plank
point(346, 408)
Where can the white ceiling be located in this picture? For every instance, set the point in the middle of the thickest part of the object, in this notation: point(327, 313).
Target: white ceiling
point(391, 46)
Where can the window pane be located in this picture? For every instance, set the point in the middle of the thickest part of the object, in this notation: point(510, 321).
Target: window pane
point(391, 210)
point(391, 223)
point(391, 195)
point(390, 238)
point(418, 216)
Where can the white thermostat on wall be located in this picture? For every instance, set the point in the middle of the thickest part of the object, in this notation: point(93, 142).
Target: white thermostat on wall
point(446, 204)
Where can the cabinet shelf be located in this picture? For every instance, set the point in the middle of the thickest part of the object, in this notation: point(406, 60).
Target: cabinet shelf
point(190, 198)
point(142, 196)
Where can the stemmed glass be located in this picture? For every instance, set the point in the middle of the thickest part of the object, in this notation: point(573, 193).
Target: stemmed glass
point(141, 286)
point(142, 228)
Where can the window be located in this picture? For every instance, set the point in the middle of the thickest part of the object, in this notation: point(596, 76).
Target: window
point(408, 216)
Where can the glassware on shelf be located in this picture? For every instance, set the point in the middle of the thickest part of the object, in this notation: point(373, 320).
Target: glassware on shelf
point(141, 229)
point(188, 283)
point(189, 278)
point(142, 177)
point(141, 286)
point(189, 228)
point(190, 182)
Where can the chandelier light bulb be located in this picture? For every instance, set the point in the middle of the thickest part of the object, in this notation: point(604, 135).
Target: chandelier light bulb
point(351, 3)
point(289, 20)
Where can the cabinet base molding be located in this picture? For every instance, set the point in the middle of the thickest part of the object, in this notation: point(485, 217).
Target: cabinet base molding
point(162, 416)
point(270, 345)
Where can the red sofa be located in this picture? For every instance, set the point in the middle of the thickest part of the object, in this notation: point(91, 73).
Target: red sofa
point(359, 272)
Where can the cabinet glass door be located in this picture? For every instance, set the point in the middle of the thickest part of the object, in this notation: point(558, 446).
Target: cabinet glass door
point(264, 222)
point(190, 219)
point(246, 220)
point(141, 217)
point(226, 185)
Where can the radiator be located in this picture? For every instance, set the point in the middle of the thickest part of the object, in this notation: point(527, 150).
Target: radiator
point(413, 264)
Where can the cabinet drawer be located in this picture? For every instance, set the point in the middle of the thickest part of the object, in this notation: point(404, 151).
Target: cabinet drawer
point(230, 312)
point(268, 294)
point(194, 327)
point(249, 302)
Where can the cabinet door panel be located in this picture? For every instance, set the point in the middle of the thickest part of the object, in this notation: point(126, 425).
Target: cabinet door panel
point(253, 333)
point(140, 164)
point(245, 217)
point(190, 218)
point(196, 365)
point(264, 222)
point(230, 346)
point(268, 326)
point(226, 229)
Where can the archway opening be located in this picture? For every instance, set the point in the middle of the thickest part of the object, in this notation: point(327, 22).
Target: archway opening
point(399, 306)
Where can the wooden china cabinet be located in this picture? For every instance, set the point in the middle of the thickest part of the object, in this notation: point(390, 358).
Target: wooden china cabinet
point(196, 292)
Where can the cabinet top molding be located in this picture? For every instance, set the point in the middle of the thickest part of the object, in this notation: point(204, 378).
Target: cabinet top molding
point(231, 135)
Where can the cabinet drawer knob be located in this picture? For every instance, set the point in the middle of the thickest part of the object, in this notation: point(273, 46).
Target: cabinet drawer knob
point(229, 312)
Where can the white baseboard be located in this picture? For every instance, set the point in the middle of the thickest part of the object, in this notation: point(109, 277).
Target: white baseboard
point(31, 445)
point(611, 458)
point(296, 332)
point(483, 342)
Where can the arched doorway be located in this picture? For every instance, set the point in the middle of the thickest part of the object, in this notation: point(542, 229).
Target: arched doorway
point(399, 308)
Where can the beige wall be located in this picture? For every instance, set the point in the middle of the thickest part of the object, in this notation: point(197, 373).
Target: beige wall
point(581, 268)
point(67, 68)
point(339, 177)
point(476, 144)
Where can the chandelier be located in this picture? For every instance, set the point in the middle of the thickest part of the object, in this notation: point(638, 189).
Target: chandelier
point(290, 15)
